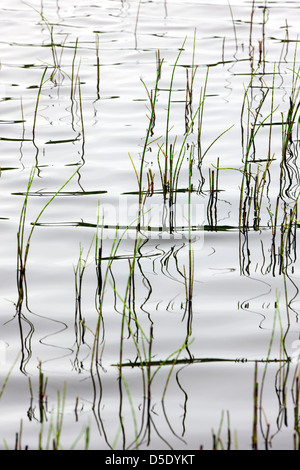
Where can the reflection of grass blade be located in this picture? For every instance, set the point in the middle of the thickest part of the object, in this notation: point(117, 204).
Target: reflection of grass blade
point(200, 360)
point(8, 375)
point(22, 247)
point(41, 213)
point(216, 139)
point(37, 103)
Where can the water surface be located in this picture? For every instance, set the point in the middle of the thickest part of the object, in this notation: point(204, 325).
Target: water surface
point(244, 305)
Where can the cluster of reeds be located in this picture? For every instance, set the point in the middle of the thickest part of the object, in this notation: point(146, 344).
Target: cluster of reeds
point(173, 151)
point(24, 238)
point(264, 431)
point(133, 330)
point(254, 181)
point(258, 173)
point(217, 441)
point(53, 418)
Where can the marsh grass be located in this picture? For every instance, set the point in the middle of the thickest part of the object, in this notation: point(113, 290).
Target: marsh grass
point(132, 329)
point(51, 430)
point(56, 56)
point(24, 240)
point(173, 150)
point(175, 158)
point(218, 442)
point(51, 438)
point(254, 188)
point(253, 192)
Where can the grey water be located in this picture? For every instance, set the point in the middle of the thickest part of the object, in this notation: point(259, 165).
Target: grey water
point(187, 370)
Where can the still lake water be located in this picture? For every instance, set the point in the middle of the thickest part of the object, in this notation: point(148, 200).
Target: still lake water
point(244, 304)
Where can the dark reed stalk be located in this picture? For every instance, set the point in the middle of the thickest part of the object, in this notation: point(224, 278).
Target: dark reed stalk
point(30, 411)
point(76, 409)
point(244, 252)
point(73, 86)
point(23, 118)
point(150, 183)
point(223, 50)
point(42, 393)
point(215, 441)
point(158, 64)
point(149, 381)
point(263, 41)
point(81, 113)
point(99, 273)
point(296, 399)
point(228, 432)
point(213, 197)
point(187, 100)
point(78, 272)
point(255, 410)
point(98, 67)
point(98, 257)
